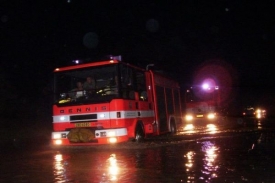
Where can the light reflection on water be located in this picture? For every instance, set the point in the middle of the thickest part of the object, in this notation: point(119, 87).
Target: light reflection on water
point(157, 165)
point(59, 170)
point(204, 160)
point(202, 128)
point(99, 170)
point(113, 168)
point(212, 128)
point(160, 165)
point(190, 170)
point(210, 165)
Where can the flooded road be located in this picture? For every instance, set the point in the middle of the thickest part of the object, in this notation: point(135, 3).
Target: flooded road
point(239, 154)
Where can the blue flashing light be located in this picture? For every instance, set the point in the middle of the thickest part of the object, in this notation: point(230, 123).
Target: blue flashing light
point(77, 61)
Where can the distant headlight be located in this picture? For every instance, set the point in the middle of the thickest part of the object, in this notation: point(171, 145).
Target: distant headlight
point(189, 117)
point(211, 116)
point(258, 113)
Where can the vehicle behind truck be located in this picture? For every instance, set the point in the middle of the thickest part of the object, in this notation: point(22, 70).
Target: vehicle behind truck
point(202, 104)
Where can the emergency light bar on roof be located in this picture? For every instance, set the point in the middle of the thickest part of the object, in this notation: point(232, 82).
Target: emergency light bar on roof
point(77, 61)
point(119, 58)
point(78, 66)
point(111, 57)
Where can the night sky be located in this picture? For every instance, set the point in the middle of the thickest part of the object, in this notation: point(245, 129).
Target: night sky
point(182, 37)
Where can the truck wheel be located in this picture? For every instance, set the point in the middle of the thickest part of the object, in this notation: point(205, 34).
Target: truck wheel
point(173, 129)
point(139, 134)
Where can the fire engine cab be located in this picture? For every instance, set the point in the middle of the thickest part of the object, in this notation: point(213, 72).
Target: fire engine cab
point(202, 103)
point(123, 102)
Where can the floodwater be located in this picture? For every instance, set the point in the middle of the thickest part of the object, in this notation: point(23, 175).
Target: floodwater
point(236, 155)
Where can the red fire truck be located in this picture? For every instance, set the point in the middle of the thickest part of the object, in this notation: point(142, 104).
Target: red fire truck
point(202, 103)
point(124, 103)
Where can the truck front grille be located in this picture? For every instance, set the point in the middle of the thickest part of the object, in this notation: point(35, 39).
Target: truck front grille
point(86, 117)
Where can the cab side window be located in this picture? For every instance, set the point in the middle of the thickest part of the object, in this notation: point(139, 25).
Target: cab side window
point(141, 86)
point(133, 80)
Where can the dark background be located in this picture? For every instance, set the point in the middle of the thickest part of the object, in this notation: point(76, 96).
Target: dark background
point(232, 41)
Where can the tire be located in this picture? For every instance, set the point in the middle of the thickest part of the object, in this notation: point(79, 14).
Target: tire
point(139, 134)
point(173, 128)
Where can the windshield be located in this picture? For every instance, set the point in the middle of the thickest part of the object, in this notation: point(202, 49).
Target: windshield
point(197, 94)
point(88, 85)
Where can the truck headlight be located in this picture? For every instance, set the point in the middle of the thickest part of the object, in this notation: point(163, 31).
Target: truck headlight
point(188, 117)
point(58, 142)
point(57, 136)
point(111, 133)
point(211, 116)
